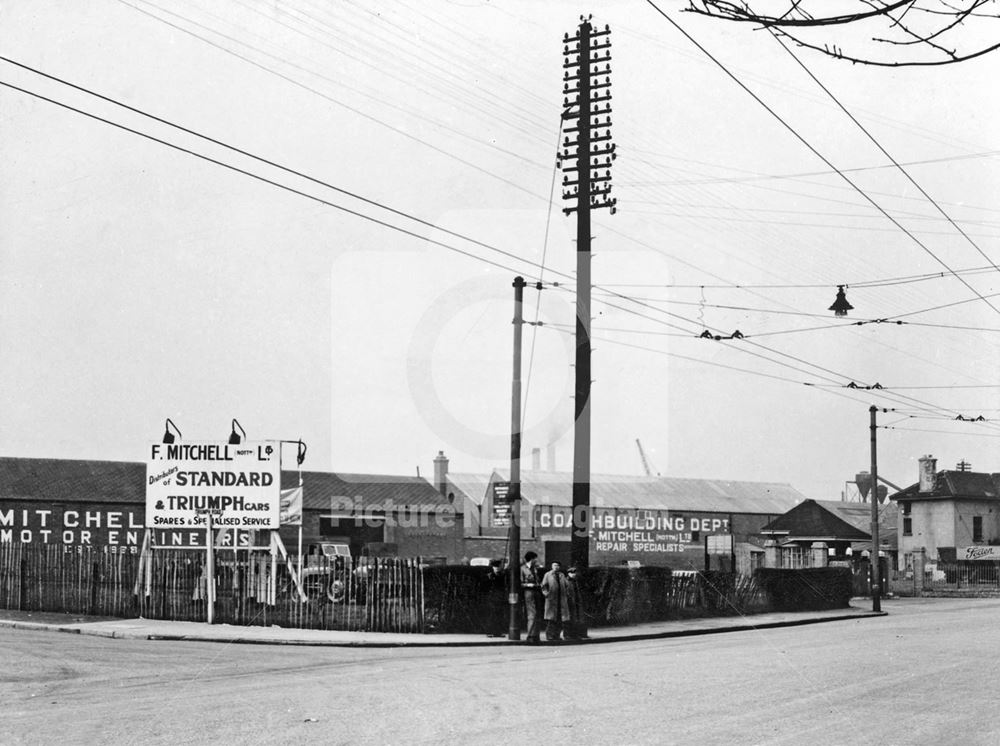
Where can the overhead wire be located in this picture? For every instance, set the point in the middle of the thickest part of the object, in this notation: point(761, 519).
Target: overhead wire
point(855, 169)
point(398, 130)
point(331, 204)
point(874, 204)
point(447, 86)
point(798, 193)
point(270, 182)
point(816, 152)
point(538, 297)
point(205, 40)
point(426, 55)
point(899, 167)
point(883, 282)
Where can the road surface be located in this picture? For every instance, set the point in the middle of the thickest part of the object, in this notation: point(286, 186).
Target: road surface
point(925, 674)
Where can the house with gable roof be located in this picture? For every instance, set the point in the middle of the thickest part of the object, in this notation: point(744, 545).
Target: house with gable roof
point(949, 514)
point(840, 531)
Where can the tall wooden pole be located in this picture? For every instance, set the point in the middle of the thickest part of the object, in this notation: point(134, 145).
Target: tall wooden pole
point(514, 579)
point(875, 566)
point(580, 538)
point(589, 190)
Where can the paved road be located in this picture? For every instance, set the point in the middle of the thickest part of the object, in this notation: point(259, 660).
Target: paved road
point(925, 674)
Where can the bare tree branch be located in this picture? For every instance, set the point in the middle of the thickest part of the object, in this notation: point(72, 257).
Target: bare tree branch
point(932, 32)
point(732, 12)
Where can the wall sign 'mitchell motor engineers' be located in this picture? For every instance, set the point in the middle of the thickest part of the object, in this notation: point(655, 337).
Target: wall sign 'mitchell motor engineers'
point(239, 485)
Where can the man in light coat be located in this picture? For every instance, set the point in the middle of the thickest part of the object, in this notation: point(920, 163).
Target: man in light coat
point(556, 592)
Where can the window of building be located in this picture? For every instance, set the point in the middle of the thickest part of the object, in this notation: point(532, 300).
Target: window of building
point(695, 536)
point(977, 528)
point(907, 526)
point(794, 557)
point(905, 508)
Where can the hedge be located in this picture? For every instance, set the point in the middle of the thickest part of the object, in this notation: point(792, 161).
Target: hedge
point(460, 598)
point(811, 589)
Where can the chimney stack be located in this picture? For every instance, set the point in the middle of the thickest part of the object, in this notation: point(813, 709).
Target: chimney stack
point(928, 469)
point(441, 473)
point(536, 459)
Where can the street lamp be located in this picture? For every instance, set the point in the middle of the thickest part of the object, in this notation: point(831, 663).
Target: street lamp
point(840, 305)
point(168, 437)
point(234, 437)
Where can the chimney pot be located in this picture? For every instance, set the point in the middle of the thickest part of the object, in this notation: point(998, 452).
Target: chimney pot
point(441, 473)
point(928, 470)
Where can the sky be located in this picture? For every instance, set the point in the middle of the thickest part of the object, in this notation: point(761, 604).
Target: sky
point(333, 260)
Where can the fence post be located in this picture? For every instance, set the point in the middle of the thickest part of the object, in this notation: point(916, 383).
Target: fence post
point(771, 554)
point(22, 591)
point(820, 554)
point(919, 567)
point(95, 575)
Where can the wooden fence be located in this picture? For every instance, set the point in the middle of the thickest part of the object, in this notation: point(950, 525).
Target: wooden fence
point(55, 578)
point(961, 577)
point(379, 595)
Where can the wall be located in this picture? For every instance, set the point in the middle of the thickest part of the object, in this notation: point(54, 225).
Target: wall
point(661, 538)
point(496, 548)
point(933, 526)
point(415, 534)
point(948, 523)
point(965, 510)
point(428, 536)
point(107, 527)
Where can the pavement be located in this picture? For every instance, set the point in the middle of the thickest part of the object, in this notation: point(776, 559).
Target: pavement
point(155, 629)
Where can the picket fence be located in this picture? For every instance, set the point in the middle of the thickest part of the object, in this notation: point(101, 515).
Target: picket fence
point(252, 588)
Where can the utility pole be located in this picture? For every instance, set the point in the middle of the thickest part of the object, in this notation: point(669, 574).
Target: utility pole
point(514, 579)
point(875, 569)
point(585, 144)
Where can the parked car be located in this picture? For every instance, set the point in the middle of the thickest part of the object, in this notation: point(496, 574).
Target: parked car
point(325, 572)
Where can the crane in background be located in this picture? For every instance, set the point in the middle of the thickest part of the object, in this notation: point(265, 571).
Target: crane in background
point(645, 461)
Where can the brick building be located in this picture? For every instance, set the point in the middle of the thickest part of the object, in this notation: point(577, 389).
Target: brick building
point(101, 504)
point(659, 521)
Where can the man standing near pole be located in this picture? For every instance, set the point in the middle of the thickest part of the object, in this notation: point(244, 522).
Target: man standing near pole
point(532, 594)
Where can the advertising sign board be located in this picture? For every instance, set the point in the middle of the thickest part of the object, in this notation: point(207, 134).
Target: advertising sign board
point(238, 484)
point(719, 543)
point(501, 504)
point(979, 553)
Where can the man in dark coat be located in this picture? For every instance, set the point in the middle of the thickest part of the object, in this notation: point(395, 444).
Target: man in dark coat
point(495, 590)
point(573, 628)
point(532, 594)
point(556, 592)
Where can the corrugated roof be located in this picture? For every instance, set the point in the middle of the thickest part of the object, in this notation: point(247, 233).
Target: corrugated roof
point(65, 480)
point(374, 490)
point(859, 515)
point(472, 486)
point(660, 493)
point(819, 520)
point(838, 520)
